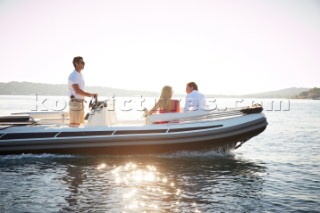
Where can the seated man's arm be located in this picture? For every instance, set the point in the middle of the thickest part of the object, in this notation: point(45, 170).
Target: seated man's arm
point(187, 104)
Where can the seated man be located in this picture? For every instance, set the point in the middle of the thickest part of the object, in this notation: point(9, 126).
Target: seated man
point(194, 99)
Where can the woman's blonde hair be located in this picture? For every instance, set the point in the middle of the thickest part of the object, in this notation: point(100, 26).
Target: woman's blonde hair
point(166, 95)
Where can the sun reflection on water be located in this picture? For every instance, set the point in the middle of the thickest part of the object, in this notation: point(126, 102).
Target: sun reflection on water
point(143, 188)
point(101, 166)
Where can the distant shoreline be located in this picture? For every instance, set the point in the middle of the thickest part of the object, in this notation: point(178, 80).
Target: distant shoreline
point(29, 88)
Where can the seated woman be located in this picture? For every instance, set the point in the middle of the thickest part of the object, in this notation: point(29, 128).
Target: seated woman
point(165, 103)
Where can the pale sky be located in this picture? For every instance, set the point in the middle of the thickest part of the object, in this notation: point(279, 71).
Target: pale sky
point(226, 47)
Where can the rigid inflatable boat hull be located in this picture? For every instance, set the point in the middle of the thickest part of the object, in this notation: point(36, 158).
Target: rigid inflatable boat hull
point(158, 139)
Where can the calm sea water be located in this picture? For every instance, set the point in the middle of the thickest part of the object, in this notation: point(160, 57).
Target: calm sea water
point(277, 171)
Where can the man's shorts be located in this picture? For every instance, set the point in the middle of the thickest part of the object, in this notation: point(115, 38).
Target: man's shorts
point(76, 111)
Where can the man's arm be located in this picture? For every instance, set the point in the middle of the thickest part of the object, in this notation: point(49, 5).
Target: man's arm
point(187, 104)
point(81, 92)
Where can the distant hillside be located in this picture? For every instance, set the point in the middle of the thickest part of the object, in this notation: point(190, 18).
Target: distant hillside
point(28, 88)
point(284, 93)
point(313, 93)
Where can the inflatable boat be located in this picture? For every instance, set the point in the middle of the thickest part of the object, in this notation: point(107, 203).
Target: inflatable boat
point(49, 132)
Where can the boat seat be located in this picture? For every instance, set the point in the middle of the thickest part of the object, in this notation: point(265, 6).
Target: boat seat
point(174, 116)
point(59, 117)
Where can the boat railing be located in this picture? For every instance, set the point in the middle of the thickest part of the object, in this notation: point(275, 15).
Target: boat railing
point(203, 115)
point(191, 116)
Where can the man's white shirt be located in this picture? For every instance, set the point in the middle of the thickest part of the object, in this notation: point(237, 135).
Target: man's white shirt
point(195, 101)
point(75, 78)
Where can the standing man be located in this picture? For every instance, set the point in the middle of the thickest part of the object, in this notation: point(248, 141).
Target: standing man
point(77, 93)
point(194, 99)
